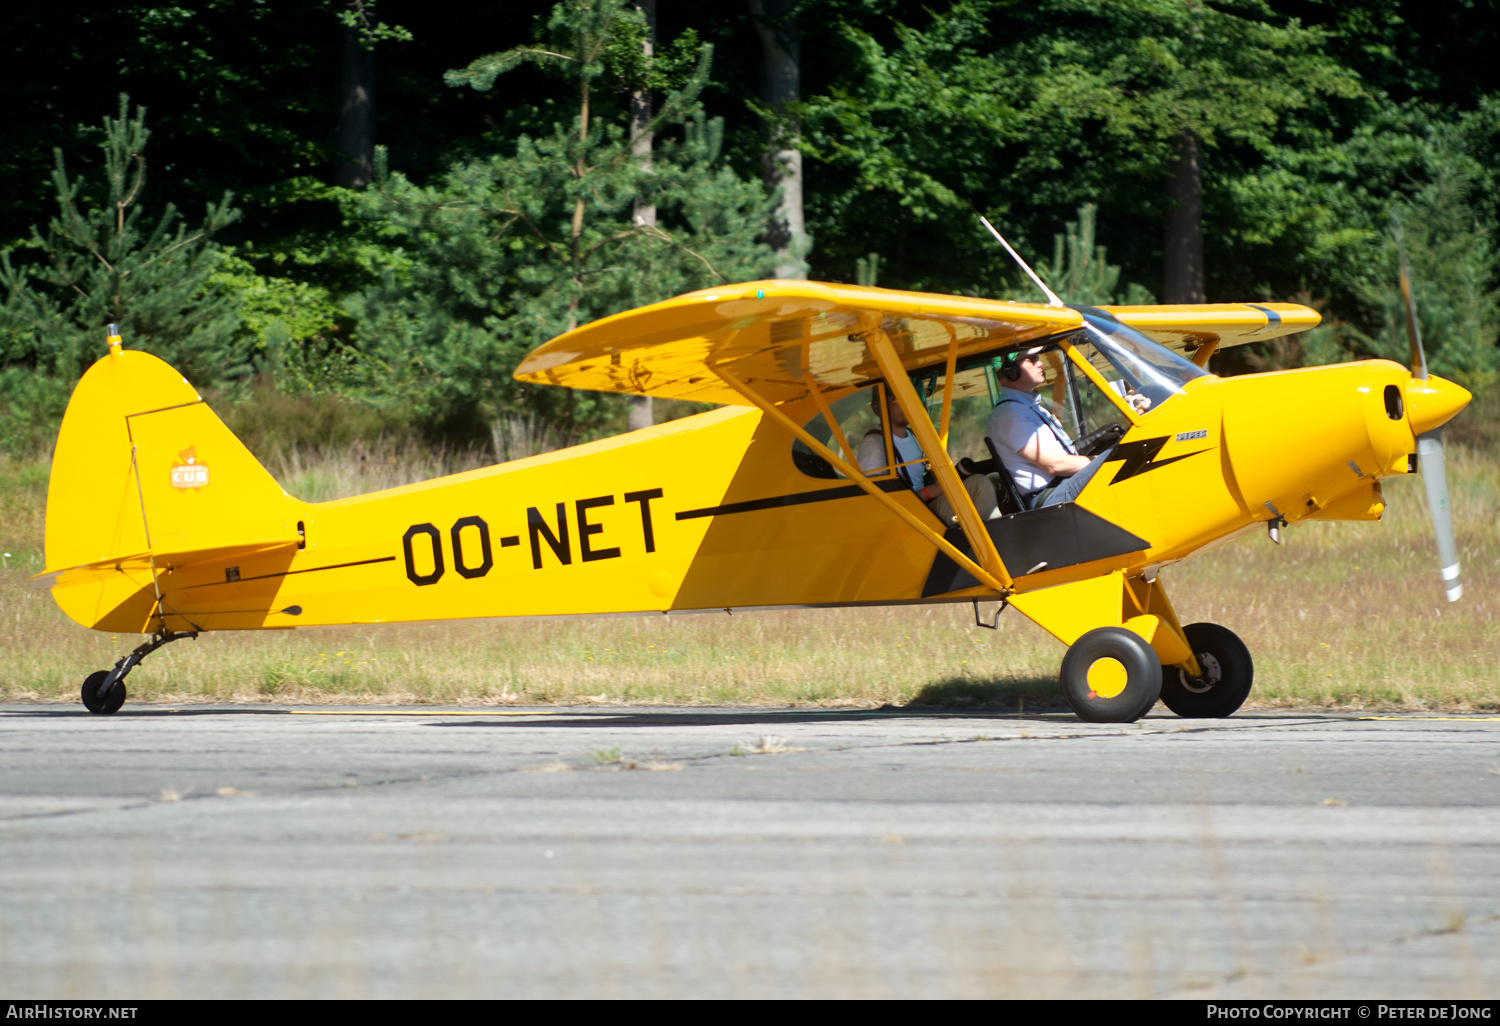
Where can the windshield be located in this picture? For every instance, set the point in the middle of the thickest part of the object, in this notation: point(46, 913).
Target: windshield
point(1131, 362)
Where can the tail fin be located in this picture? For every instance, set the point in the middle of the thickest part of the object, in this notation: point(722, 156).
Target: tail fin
point(143, 469)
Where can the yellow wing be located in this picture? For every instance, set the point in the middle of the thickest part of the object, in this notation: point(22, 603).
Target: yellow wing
point(1184, 328)
point(776, 335)
point(772, 335)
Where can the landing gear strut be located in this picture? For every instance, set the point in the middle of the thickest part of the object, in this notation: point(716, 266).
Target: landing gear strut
point(104, 690)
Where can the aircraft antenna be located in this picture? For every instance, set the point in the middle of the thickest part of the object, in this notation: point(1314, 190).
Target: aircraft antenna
point(1052, 299)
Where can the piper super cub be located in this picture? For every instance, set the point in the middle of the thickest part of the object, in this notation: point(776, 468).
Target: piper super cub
point(160, 522)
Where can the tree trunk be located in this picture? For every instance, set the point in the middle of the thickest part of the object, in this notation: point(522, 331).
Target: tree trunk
point(1182, 249)
point(780, 84)
point(641, 414)
point(640, 117)
point(355, 136)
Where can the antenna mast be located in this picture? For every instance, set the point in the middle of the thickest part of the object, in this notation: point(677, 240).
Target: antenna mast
point(1052, 299)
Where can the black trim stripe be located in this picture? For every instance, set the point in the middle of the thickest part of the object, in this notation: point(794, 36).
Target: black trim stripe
point(203, 615)
point(288, 573)
point(1273, 319)
point(794, 499)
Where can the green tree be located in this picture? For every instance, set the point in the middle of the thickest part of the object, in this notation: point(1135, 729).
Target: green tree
point(1319, 210)
point(1020, 110)
point(103, 260)
point(1455, 271)
point(1166, 79)
point(1078, 271)
point(507, 251)
point(907, 141)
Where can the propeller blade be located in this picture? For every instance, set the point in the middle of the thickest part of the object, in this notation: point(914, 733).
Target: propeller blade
point(1430, 460)
point(1413, 333)
point(1435, 479)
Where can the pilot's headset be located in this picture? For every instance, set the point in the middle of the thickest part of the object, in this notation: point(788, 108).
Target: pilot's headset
point(1009, 363)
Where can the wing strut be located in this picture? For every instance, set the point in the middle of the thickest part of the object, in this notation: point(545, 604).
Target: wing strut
point(948, 477)
point(832, 421)
point(948, 371)
point(1000, 581)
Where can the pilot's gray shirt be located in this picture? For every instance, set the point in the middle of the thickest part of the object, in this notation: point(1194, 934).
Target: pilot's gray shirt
point(1015, 421)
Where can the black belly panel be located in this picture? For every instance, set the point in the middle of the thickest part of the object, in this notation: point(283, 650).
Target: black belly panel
point(1061, 535)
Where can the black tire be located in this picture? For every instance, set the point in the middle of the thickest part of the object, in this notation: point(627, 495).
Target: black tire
point(103, 705)
point(1228, 673)
point(1126, 676)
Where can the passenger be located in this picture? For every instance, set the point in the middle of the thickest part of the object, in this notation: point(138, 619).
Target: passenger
point(1035, 450)
point(909, 451)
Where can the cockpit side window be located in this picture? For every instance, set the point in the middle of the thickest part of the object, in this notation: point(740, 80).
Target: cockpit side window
point(974, 396)
point(1091, 409)
point(856, 418)
point(976, 390)
point(1138, 374)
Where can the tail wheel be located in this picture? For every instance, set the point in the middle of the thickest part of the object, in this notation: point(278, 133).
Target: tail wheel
point(1111, 675)
point(104, 704)
point(1228, 673)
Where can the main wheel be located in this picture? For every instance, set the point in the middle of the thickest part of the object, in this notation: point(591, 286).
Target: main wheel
point(1228, 673)
point(102, 704)
point(1110, 675)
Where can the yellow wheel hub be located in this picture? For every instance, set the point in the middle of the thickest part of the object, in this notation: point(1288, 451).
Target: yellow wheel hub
point(1106, 677)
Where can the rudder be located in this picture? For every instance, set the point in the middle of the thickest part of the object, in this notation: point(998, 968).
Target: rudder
point(142, 465)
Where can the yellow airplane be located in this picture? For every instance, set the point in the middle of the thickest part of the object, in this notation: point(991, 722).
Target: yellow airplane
point(159, 521)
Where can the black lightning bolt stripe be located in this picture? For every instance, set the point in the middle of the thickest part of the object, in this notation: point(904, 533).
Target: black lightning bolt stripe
point(1140, 456)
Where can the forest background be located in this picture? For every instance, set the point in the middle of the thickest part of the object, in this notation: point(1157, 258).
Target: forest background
point(398, 202)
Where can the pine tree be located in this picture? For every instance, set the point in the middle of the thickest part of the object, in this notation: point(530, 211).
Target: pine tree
point(1079, 272)
point(510, 250)
point(107, 262)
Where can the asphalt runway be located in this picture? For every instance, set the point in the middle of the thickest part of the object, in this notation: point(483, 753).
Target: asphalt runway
point(259, 852)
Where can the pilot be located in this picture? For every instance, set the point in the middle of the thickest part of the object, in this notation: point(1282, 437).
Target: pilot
point(909, 451)
point(1035, 450)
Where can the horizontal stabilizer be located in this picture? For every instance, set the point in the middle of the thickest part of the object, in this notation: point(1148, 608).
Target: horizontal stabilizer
point(89, 573)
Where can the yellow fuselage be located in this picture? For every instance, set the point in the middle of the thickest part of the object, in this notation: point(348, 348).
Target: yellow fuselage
point(707, 512)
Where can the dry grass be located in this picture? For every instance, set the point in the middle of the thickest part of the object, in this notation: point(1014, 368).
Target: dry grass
point(1344, 616)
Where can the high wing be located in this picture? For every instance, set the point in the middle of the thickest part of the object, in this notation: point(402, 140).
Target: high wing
point(772, 335)
point(780, 336)
point(1184, 329)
